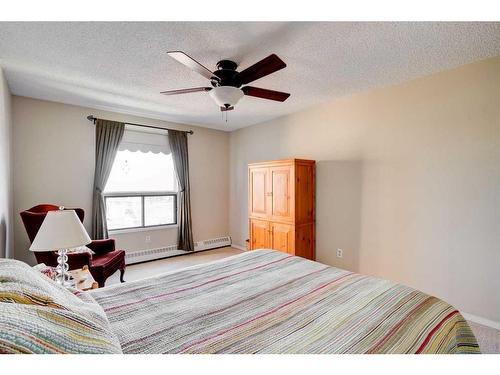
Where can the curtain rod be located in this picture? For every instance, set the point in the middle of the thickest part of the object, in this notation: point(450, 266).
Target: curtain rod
point(93, 119)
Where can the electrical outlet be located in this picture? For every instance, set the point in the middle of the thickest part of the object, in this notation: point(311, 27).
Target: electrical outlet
point(340, 253)
point(148, 239)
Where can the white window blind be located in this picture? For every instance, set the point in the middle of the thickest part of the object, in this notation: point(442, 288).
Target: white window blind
point(143, 163)
point(145, 140)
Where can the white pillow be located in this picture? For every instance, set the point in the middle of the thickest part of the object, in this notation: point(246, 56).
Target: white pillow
point(80, 249)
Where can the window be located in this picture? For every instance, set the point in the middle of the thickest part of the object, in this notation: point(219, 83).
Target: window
point(142, 187)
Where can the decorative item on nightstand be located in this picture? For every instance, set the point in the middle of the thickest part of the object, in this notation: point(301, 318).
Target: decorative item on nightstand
point(61, 230)
point(83, 279)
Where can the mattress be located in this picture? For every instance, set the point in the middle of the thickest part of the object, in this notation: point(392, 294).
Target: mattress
point(266, 301)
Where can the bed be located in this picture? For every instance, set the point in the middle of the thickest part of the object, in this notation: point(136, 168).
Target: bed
point(266, 301)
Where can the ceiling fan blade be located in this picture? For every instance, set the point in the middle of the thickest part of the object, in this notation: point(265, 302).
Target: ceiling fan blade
point(185, 91)
point(265, 94)
point(192, 64)
point(264, 67)
point(224, 109)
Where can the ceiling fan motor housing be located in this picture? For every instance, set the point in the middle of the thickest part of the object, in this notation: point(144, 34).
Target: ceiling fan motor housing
point(227, 64)
point(226, 72)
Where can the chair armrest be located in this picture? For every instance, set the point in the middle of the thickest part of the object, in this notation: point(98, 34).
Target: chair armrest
point(102, 246)
point(78, 260)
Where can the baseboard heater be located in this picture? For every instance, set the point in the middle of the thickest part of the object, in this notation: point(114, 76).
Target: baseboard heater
point(139, 256)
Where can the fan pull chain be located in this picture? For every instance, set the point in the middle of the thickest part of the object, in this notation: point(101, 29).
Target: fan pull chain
point(224, 115)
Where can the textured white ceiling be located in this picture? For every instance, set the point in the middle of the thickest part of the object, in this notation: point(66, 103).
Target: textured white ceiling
point(122, 66)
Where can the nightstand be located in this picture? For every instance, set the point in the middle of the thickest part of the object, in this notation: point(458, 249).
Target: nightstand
point(83, 279)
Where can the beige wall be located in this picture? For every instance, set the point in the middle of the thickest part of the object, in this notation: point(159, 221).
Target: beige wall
point(54, 163)
point(408, 182)
point(6, 232)
point(408, 178)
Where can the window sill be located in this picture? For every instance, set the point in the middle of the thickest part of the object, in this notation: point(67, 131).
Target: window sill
point(144, 229)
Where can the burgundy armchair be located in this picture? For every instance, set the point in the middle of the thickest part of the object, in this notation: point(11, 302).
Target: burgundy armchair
point(105, 262)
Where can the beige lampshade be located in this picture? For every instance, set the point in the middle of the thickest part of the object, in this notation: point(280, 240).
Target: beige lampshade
point(60, 230)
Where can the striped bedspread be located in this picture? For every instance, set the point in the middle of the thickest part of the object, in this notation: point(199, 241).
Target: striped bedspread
point(269, 302)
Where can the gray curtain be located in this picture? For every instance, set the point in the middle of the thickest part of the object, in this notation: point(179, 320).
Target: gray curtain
point(108, 135)
point(179, 147)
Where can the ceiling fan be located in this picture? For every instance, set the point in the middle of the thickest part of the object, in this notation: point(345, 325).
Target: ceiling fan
point(227, 83)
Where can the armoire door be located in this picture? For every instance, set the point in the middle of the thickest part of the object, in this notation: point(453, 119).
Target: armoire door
point(304, 241)
point(258, 195)
point(282, 237)
point(259, 234)
point(281, 181)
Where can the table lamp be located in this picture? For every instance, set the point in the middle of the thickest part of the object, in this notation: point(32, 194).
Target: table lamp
point(61, 230)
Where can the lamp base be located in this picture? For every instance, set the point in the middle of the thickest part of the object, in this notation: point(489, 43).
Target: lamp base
point(67, 281)
point(62, 275)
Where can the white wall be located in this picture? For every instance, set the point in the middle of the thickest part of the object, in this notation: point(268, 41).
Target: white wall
point(54, 148)
point(408, 182)
point(6, 237)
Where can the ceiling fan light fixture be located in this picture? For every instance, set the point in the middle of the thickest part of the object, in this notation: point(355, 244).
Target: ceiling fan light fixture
point(226, 96)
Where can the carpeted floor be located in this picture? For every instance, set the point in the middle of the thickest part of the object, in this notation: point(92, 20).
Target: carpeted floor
point(488, 338)
point(147, 269)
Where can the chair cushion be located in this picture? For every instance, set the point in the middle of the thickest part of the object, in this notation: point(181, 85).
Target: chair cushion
point(79, 250)
point(108, 259)
point(37, 315)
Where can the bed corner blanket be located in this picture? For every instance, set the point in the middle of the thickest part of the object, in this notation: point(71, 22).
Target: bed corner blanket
point(270, 302)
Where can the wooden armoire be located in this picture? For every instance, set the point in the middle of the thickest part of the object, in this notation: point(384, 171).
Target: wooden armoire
point(281, 206)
